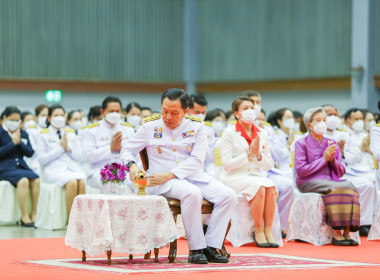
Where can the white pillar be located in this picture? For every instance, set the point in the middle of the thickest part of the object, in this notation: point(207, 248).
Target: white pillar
point(363, 92)
point(190, 46)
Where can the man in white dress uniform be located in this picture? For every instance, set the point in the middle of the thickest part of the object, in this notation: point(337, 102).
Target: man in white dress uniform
point(375, 148)
point(176, 147)
point(102, 140)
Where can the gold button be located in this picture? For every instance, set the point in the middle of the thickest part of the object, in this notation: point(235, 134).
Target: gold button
point(250, 160)
point(174, 150)
point(249, 170)
point(173, 139)
point(177, 161)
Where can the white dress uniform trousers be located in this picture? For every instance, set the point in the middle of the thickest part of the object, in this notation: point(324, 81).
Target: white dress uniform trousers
point(182, 151)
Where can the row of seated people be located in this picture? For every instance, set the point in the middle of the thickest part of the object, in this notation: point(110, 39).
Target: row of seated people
point(72, 155)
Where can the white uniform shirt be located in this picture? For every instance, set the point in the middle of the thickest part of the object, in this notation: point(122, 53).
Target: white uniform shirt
point(375, 142)
point(97, 144)
point(181, 151)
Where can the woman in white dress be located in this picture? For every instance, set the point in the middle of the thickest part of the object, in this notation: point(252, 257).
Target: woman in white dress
point(245, 149)
point(57, 154)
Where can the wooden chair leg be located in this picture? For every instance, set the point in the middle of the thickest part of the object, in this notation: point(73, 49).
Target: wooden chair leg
point(83, 256)
point(147, 256)
point(109, 253)
point(156, 255)
point(223, 251)
point(130, 257)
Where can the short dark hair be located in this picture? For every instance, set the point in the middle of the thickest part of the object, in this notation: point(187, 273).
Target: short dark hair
point(329, 105)
point(276, 116)
point(349, 112)
point(24, 114)
point(251, 93)
point(94, 112)
point(213, 114)
point(10, 110)
point(199, 99)
point(110, 99)
point(238, 100)
point(378, 104)
point(39, 108)
point(146, 108)
point(70, 115)
point(132, 105)
point(176, 94)
point(54, 107)
point(263, 111)
point(297, 114)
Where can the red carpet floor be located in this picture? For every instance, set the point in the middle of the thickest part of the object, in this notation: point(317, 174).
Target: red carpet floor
point(15, 253)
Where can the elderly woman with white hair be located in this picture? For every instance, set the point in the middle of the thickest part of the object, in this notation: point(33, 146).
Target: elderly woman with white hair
point(318, 167)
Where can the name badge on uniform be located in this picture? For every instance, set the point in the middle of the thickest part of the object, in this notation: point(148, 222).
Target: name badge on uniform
point(188, 134)
point(158, 133)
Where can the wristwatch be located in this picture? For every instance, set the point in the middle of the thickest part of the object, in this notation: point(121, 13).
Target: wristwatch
point(129, 164)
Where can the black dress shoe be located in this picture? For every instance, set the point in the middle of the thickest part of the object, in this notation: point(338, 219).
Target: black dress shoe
point(273, 245)
point(213, 256)
point(283, 235)
point(364, 231)
point(27, 224)
point(343, 242)
point(205, 229)
point(197, 257)
point(262, 245)
point(353, 242)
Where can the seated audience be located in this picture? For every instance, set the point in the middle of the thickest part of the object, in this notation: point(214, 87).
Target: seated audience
point(58, 156)
point(133, 111)
point(218, 124)
point(245, 148)
point(41, 115)
point(94, 114)
point(14, 146)
point(318, 169)
point(74, 121)
point(146, 112)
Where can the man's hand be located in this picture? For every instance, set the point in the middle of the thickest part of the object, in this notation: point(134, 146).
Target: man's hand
point(134, 171)
point(16, 137)
point(159, 178)
point(116, 142)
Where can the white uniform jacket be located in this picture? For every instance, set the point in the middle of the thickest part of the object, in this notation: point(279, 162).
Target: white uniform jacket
point(181, 151)
point(234, 154)
point(375, 142)
point(97, 144)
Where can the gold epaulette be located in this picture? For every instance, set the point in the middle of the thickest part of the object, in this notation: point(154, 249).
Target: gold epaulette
point(93, 125)
point(375, 163)
point(32, 126)
point(126, 124)
point(266, 123)
point(84, 127)
point(152, 118)
point(217, 157)
point(378, 124)
point(45, 130)
point(342, 130)
point(193, 119)
point(69, 130)
point(297, 132)
point(208, 123)
point(233, 122)
point(275, 132)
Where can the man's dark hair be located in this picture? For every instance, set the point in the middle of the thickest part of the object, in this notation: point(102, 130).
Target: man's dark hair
point(329, 105)
point(212, 115)
point(146, 108)
point(10, 110)
point(24, 114)
point(199, 99)
point(176, 94)
point(297, 114)
point(378, 105)
point(94, 112)
point(54, 107)
point(110, 99)
point(348, 114)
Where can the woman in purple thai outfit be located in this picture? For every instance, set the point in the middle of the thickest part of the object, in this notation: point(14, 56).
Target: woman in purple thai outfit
point(318, 166)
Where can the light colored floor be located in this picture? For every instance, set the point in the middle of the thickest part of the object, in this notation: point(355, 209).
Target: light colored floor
point(13, 232)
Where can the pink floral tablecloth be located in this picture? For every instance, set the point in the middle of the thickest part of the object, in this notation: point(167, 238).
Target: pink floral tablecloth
point(127, 224)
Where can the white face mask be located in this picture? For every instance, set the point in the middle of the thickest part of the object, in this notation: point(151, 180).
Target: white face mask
point(297, 126)
point(30, 124)
point(12, 125)
point(42, 122)
point(248, 116)
point(320, 128)
point(218, 127)
point(358, 125)
point(199, 116)
point(76, 125)
point(113, 118)
point(58, 122)
point(257, 109)
point(333, 122)
point(134, 120)
point(84, 121)
point(370, 124)
point(289, 123)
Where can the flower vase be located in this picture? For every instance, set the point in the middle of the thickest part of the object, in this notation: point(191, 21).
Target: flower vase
point(111, 188)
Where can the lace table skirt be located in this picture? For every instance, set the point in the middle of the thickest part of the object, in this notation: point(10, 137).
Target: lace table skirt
point(374, 233)
point(127, 224)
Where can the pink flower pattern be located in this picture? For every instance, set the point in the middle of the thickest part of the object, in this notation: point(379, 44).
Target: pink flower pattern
point(99, 233)
point(122, 214)
point(101, 203)
point(79, 204)
point(159, 218)
point(80, 228)
point(89, 204)
point(143, 215)
point(143, 239)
